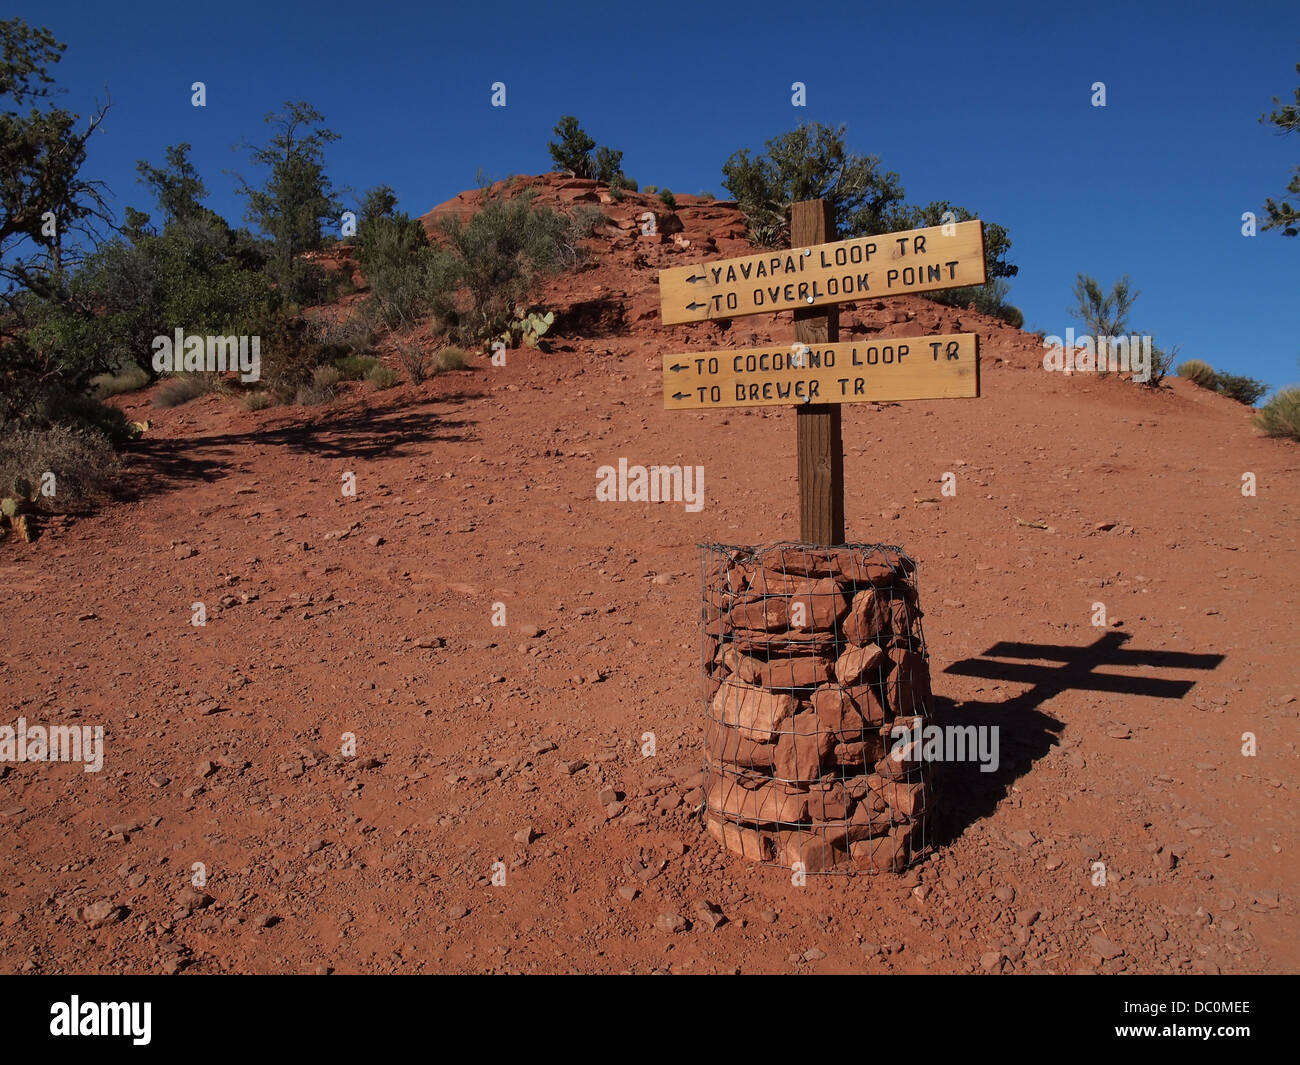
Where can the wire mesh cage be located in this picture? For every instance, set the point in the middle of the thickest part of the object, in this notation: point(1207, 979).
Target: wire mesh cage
point(816, 679)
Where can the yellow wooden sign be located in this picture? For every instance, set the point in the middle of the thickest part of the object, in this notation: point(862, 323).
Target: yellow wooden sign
point(916, 260)
point(878, 370)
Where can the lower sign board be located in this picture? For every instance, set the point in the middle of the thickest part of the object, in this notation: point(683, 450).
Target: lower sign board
point(878, 370)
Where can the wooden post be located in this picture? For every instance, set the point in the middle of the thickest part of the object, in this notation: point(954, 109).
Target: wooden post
point(820, 445)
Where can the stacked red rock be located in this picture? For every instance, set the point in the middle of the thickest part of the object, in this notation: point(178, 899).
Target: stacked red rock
point(813, 659)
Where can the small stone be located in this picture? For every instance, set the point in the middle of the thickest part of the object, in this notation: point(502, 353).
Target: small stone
point(1104, 948)
point(573, 767)
point(767, 916)
point(1026, 918)
point(628, 892)
point(813, 954)
point(525, 835)
point(670, 922)
point(98, 914)
point(991, 961)
point(607, 796)
point(455, 913)
point(1022, 838)
point(1005, 892)
point(374, 541)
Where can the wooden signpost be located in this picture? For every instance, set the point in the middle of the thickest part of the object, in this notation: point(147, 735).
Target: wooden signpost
point(818, 373)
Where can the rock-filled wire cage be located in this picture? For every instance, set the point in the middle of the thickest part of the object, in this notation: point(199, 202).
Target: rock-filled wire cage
point(816, 679)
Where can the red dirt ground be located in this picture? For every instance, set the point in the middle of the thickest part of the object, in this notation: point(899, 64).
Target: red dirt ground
point(478, 744)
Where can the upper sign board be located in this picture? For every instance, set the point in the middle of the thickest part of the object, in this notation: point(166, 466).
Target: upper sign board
point(917, 260)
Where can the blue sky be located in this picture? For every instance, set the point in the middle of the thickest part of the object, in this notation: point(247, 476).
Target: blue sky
point(986, 105)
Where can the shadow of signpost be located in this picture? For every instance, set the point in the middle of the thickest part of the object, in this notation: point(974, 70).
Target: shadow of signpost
point(389, 430)
point(1025, 732)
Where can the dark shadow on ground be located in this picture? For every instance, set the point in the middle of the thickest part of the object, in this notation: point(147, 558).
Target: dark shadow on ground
point(1026, 733)
point(156, 466)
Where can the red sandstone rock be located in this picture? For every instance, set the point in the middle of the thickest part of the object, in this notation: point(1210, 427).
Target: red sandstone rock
point(856, 661)
point(755, 712)
point(743, 841)
point(730, 745)
point(767, 802)
point(801, 752)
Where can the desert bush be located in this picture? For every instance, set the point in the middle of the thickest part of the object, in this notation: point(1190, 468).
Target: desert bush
point(326, 376)
point(1198, 372)
point(502, 251)
point(130, 379)
point(1280, 416)
point(382, 377)
point(1162, 362)
point(83, 462)
point(584, 220)
point(669, 200)
point(355, 367)
point(258, 400)
point(452, 359)
point(312, 395)
point(1245, 390)
point(414, 359)
point(185, 387)
point(289, 350)
point(650, 190)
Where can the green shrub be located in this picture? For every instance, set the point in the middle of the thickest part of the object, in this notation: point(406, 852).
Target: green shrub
point(669, 200)
point(1162, 362)
point(414, 360)
point(258, 400)
point(585, 219)
point(452, 359)
point(650, 190)
point(289, 351)
point(184, 388)
point(83, 462)
point(312, 395)
point(1245, 390)
point(355, 367)
point(326, 377)
point(1198, 372)
point(502, 251)
point(1280, 416)
point(129, 379)
point(382, 377)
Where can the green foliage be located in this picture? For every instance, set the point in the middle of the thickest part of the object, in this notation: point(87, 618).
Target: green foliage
point(526, 326)
point(584, 220)
point(451, 358)
point(297, 198)
point(380, 202)
point(1245, 390)
point(669, 200)
point(414, 359)
point(185, 387)
point(989, 299)
point(1103, 314)
point(355, 367)
point(1162, 362)
point(326, 376)
point(290, 351)
point(131, 379)
point(9, 506)
point(43, 150)
point(257, 400)
point(82, 461)
point(382, 377)
point(177, 187)
point(1198, 372)
point(501, 253)
point(1280, 416)
point(311, 395)
point(609, 165)
point(1285, 215)
point(572, 151)
point(810, 163)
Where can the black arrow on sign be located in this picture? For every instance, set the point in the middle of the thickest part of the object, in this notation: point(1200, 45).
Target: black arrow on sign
point(677, 367)
point(697, 277)
point(693, 306)
point(681, 395)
